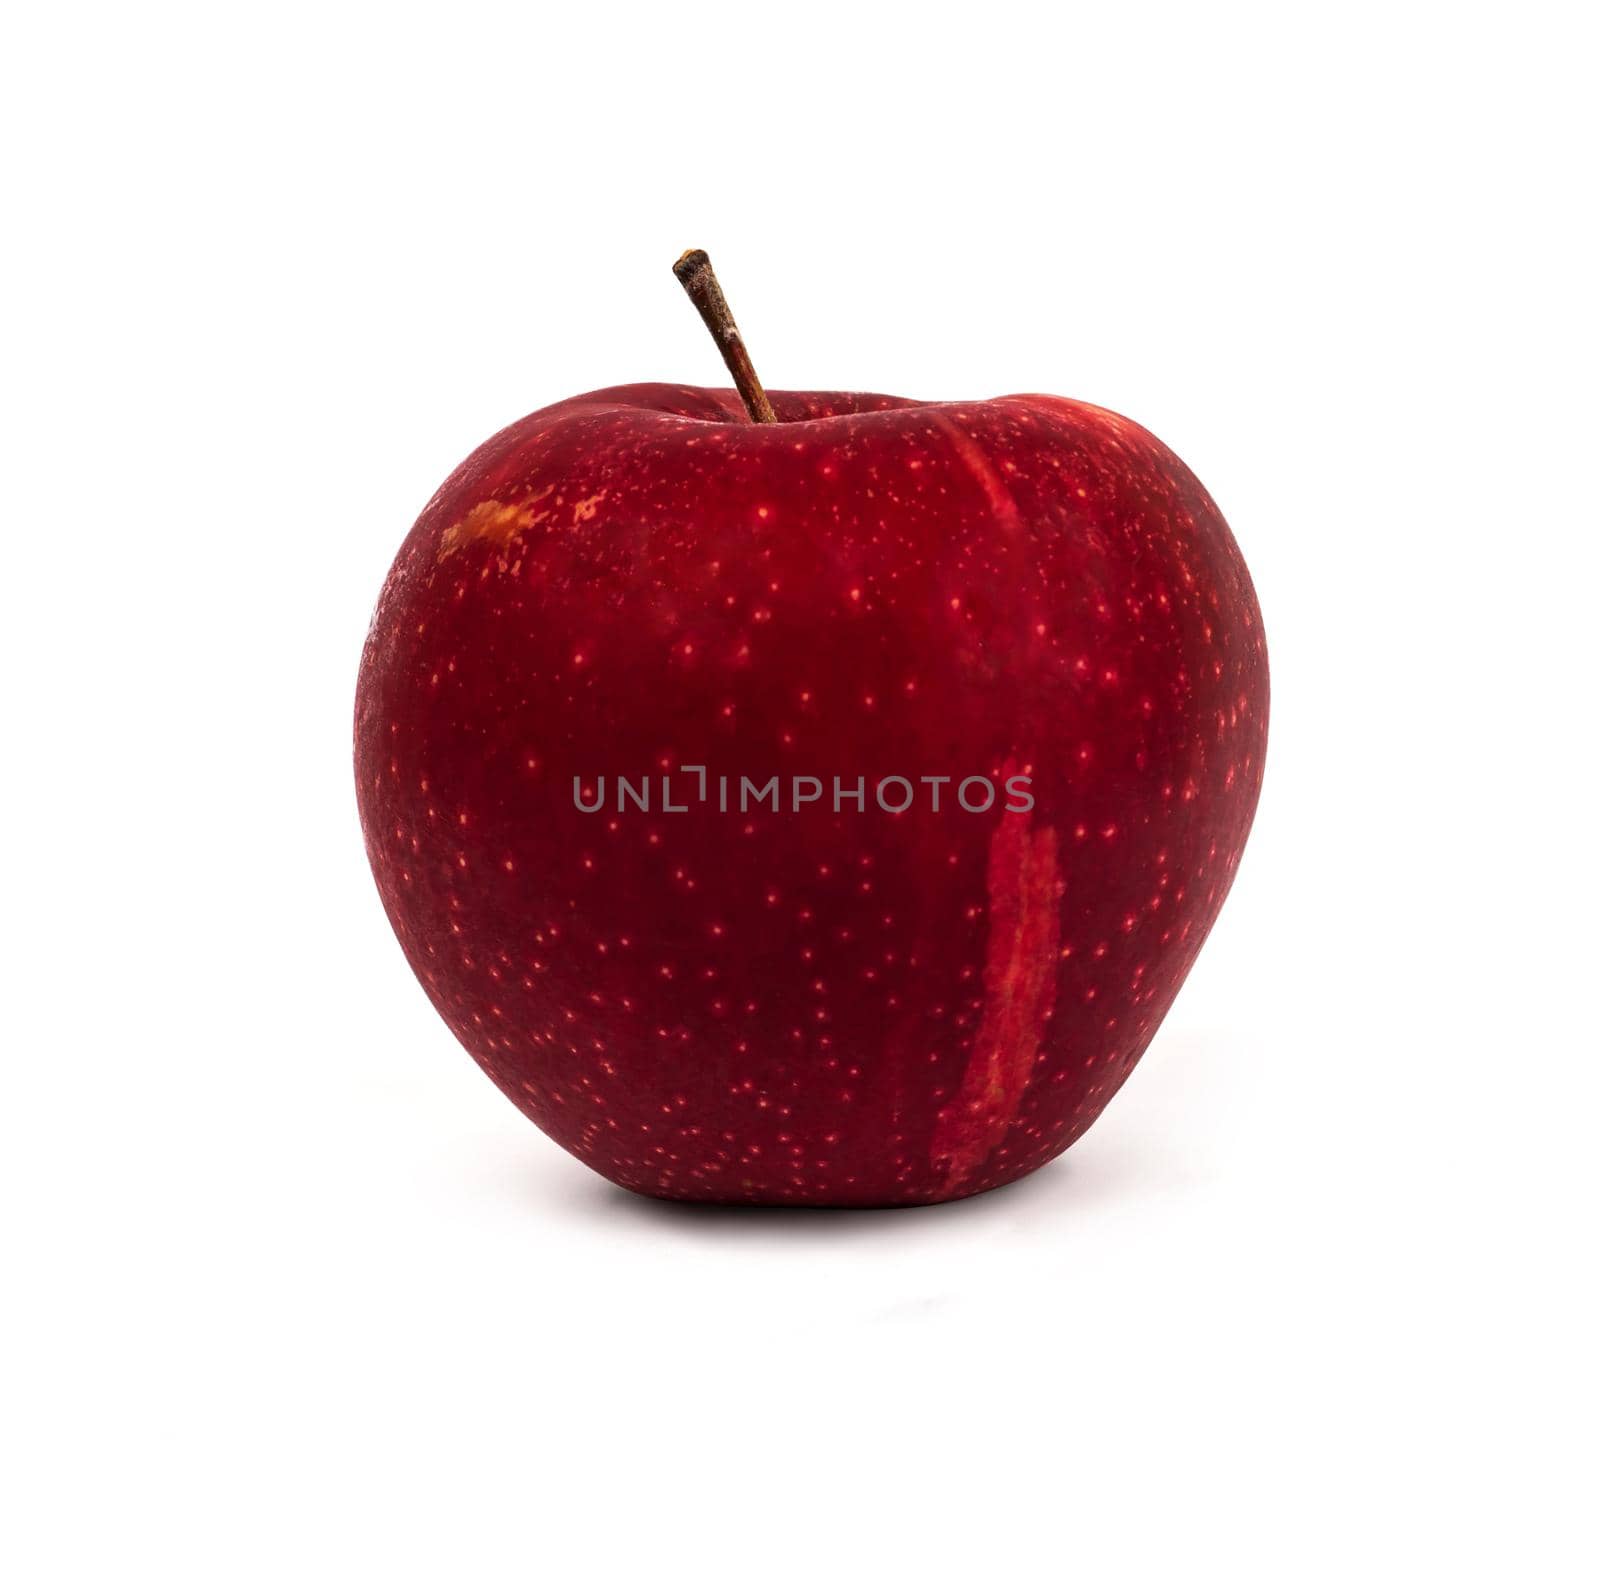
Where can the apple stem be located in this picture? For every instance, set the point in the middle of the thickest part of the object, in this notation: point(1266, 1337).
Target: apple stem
point(696, 276)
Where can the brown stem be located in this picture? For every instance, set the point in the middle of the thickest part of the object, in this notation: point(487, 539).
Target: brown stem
point(695, 275)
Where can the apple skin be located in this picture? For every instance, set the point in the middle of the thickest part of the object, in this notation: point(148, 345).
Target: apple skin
point(847, 1008)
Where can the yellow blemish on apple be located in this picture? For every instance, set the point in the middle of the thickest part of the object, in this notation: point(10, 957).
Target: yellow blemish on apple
point(494, 522)
point(584, 509)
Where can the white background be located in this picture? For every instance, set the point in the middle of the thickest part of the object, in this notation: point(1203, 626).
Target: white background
point(293, 1290)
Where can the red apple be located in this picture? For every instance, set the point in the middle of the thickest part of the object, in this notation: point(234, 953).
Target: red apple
point(822, 1004)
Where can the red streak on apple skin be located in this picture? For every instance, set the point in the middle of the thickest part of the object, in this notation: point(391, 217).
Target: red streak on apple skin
point(817, 1007)
point(1001, 504)
point(1019, 981)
